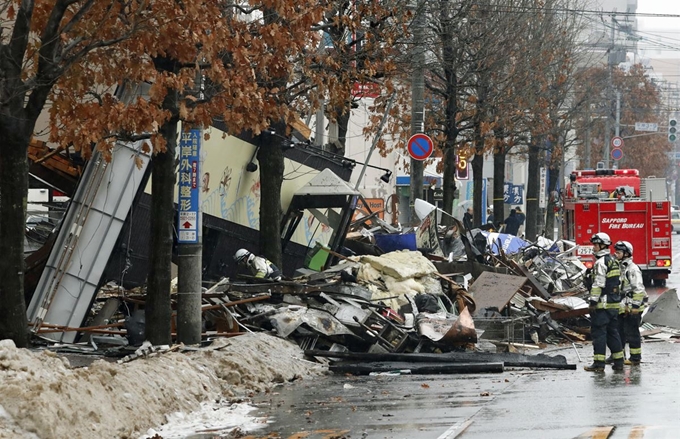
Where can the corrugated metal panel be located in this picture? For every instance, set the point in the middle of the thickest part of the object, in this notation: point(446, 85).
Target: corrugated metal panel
point(87, 238)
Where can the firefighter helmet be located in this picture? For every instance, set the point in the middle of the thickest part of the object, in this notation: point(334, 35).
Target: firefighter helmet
point(601, 238)
point(241, 256)
point(624, 246)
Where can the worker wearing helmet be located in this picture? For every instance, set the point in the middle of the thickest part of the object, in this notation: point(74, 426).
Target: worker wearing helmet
point(632, 303)
point(260, 267)
point(604, 302)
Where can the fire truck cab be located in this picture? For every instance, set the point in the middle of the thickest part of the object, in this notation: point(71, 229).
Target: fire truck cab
point(628, 208)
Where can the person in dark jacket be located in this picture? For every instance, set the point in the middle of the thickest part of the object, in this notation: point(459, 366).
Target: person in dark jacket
point(512, 223)
point(522, 219)
point(467, 219)
point(489, 215)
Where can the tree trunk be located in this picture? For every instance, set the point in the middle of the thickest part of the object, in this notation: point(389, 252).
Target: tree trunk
point(478, 179)
point(550, 208)
point(270, 158)
point(13, 198)
point(499, 158)
point(342, 120)
point(533, 183)
point(449, 184)
point(158, 311)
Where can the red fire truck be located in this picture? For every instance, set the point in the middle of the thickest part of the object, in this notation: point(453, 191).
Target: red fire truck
point(628, 208)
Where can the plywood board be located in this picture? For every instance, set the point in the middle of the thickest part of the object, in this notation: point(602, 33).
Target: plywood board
point(494, 290)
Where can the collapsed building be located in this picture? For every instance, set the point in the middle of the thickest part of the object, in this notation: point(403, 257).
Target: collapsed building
point(362, 293)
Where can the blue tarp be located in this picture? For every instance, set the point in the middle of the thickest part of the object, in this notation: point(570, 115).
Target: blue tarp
point(509, 243)
point(391, 242)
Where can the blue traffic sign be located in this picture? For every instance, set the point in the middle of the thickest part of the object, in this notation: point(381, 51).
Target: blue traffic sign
point(420, 146)
point(617, 153)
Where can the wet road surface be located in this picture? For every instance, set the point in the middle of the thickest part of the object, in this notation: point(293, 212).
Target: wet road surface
point(642, 402)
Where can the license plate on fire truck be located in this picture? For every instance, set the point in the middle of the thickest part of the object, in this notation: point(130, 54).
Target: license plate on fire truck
point(584, 250)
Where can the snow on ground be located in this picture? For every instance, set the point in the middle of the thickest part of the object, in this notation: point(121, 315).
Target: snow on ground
point(43, 397)
point(212, 418)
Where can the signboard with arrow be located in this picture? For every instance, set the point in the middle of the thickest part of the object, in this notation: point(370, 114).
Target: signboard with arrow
point(188, 199)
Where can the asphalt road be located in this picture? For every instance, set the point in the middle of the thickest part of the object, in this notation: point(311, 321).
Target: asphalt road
point(640, 402)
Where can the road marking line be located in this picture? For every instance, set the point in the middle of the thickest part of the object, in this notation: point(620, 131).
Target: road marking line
point(675, 258)
point(638, 432)
point(597, 433)
point(455, 430)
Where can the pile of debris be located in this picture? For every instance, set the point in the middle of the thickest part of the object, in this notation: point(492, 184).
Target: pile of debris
point(388, 308)
point(445, 300)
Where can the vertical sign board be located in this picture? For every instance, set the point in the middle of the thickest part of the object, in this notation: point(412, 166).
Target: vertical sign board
point(462, 168)
point(542, 188)
point(484, 197)
point(188, 197)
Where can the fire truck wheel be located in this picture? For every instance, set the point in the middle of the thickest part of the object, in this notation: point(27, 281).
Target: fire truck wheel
point(646, 281)
point(659, 282)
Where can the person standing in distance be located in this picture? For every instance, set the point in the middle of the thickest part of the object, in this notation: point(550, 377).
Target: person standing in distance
point(511, 223)
point(521, 217)
point(633, 301)
point(260, 267)
point(467, 218)
point(604, 302)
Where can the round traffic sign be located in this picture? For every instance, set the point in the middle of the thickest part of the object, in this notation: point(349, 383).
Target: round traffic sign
point(617, 153)
point(420, 146)
point(617, 142)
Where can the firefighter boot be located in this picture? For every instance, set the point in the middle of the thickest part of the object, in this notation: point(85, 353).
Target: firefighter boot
point(632, 361)
point(609, 360)
point(597, 366)
point(618, 365)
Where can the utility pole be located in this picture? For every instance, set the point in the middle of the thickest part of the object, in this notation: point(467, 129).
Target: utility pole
point(611, 59)
point(189, 240)
point(587, 139)
point(189, 245)
point(417, 104)
point(320, 121)
point(617, 125)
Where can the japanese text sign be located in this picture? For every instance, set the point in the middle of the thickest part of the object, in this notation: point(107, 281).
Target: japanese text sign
point(188, 197)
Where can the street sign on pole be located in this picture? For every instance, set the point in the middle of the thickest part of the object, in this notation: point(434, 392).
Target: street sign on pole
point(644, 126)
point(617, 142)
point(188, 198)
point(617, 153)
point(542, 187)
point(420, 146)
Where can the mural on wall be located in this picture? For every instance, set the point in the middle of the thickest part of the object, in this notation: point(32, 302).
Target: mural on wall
point(236, 197)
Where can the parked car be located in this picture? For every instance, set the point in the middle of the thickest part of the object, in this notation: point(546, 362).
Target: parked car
point(675, 220)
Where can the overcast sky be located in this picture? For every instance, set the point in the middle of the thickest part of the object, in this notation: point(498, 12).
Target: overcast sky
point(662, 34)
point(658, 7)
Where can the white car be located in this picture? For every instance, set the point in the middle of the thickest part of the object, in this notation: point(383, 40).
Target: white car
point(675, 220)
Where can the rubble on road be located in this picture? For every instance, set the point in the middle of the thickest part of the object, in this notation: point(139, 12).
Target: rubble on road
point(401, 302)
point(440, 291)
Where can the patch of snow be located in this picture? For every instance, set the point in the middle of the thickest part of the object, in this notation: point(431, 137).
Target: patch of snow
point(212, 418)
point(44, 397)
